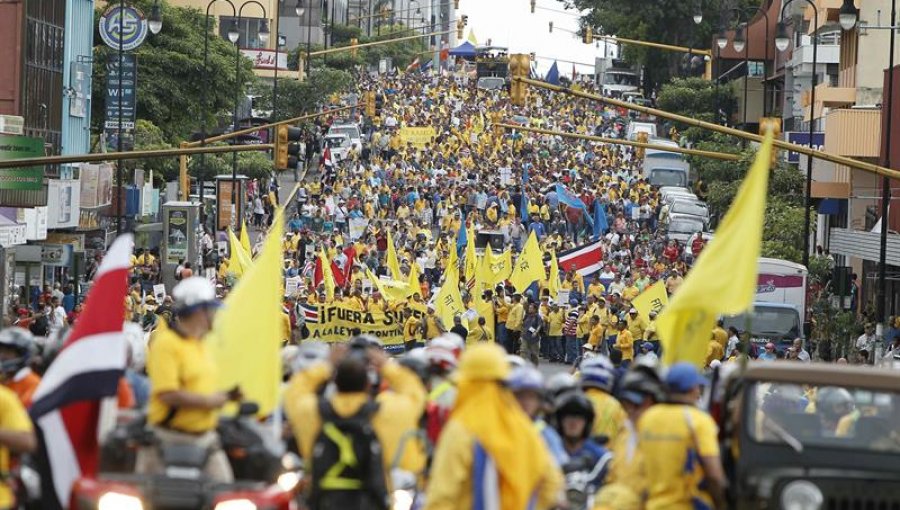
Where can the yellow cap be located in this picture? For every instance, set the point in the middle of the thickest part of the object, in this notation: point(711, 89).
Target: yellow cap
point(483, 362)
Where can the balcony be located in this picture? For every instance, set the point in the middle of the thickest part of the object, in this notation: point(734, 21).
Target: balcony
point(828, 97)
point(802, 57)
point(864, 245)
point(827, 11)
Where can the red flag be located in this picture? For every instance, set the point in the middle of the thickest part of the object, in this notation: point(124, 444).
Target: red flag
point(67, 404)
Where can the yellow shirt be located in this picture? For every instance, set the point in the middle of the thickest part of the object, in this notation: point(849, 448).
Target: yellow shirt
point(515, 318)
point(596, 289)
point(501, 312)
point(636, 326)
point(625, 343)
point(410, 329)
point(609, 415)
point(627, 463)
point(596, 335)
point(397, 416)
point(714, 351)
point(14, 419)
point(721, 336)
point(177, 363)
point(674, 435)
point(555, 322)
point(630, 292)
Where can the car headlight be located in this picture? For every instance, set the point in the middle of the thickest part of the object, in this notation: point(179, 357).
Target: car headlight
point(236, 504)
point(801, 495)
point(403, 500)
point(288, 480)
point(119, 501)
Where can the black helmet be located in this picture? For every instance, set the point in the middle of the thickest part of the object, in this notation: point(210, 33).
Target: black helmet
point(22, 342)
point(640, 382)
point(575, 403)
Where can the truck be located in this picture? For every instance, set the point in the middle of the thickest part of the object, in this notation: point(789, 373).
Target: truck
point(779, 307)
point(664, 168)
point(615, 76)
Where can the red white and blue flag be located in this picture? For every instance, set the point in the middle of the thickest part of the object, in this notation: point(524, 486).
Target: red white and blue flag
point(67, 404)
point(327, 158)
point(310, 313)
point(584, 259)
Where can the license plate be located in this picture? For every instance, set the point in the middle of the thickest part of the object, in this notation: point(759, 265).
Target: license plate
point(184, 473)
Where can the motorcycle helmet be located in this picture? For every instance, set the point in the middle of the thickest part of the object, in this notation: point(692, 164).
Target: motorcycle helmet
point(575, 403)
point(192, 294)
point(308, 354)
point(526, 379)
point(417, 361)
point(442, 355)
point(516, 361)
point(833, 402)
point(21, 342)
point(598, 372)
point(641, 382)
point(560, 383)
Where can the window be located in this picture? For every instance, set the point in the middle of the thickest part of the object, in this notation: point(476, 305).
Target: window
point(247, 27)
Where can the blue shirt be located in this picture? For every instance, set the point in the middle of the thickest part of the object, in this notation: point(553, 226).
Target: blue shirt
point(553, 441)
point(68, 302)
point(140, 386)
point(594, 452)
point(538, 228)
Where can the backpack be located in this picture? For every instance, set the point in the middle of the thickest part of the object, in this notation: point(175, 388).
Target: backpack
point(348, 470)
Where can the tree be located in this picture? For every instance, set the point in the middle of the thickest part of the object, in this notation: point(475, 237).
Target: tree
point(148, 136)
point(401, 53)
point(697, 98)
point(664, 21)
point(296, 98)
point(253, 164)
point(170, 75)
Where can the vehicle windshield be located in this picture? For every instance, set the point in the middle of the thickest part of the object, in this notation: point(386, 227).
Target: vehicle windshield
point(694, 208)
point(824, 416)
point(337, 142)
point(491, 83)
point(685, 226)
point(667, 177)
point(779, 323)
point(613, 78)
point(350, 131)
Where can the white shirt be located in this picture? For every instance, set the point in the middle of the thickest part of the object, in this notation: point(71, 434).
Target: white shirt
point(57, 318)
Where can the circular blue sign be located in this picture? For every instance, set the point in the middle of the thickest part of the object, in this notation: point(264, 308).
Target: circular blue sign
point(130, 30)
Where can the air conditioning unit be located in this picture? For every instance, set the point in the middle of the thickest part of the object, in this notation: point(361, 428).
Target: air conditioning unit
point(12, 125)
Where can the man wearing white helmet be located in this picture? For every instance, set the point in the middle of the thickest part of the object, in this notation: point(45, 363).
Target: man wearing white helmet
point(184, 402)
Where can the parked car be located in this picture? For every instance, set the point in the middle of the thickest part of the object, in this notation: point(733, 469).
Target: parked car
point(682, 226)
point(351, 130)
point(339, 145)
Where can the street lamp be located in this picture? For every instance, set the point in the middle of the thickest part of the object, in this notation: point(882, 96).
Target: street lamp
point(848, 15)
point(721, 41)
point(263, 37)
point(155, 22)
point(232, 36)
point(698, 13)
point(782, 41)
point(299, 9)
point(740, 39)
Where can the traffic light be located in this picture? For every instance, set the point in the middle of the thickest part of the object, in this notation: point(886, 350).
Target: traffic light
point(456, 4)
point(370, 104)
point(459, 28)
point(286, 148)
point(519, 67)
point(533, 5)
point(641, 137)
point(551, 27)
point(379, 104)
point(587, 35)
point(353, 51)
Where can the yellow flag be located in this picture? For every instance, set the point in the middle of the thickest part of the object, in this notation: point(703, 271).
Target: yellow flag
point(529, 266)
point(413, 281)
point(502, 267)
point(485, 275)
point(454, 256)
point(327, 276)
point(653, 299)
point(471, 259)
point(723, 279)
point(250, 328)
point(448, 302)
point(392, 263)
point(553, 281)
point(245, 238)
point(240, 260)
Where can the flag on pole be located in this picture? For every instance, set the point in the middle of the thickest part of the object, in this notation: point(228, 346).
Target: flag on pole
point(571, 200)
point(462, 236)
point(327, 158)
point(239, 261)
point(529, 266)
point(724, 277)
point(600, 223)
point(471, 262)
point(248, 331)
point(448, 302)
point(392, 263)
point(324, 275)
point(653, 299)
point(584, 259)
point(553, 74)
point(66, 407)
point(245, 238)
point(553, 280)
point(472, 38)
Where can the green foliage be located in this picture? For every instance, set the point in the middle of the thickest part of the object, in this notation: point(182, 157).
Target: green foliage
point(297, 98)
point(697, 98)
point(170, 75)
point(783, 230)
point(402, 53)
point(664, 21)
point(255, 165)
point(148, 136)
point(341, 34)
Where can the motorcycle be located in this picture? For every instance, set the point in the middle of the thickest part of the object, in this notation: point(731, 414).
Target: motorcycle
point(265, 475)
point(583, 479)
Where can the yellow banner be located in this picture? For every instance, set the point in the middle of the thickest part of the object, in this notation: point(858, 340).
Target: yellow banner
point(653, 299)
point(418, 136)
point(335, 323)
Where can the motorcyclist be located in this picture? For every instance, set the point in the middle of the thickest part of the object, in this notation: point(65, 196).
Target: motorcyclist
point(442, 354)
point(184, 402)
point(597, 380)
point(16, 350)
point(574, 421)
point(527, 384)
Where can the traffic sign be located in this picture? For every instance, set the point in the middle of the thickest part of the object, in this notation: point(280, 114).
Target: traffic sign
point(129, 29)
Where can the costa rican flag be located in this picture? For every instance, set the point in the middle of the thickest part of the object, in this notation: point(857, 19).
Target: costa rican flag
point(327, 158)
point(67, 409)
point(310, 313)
point(584, 259)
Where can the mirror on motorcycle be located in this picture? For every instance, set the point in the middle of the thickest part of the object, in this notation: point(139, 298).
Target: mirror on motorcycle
point(248, 409)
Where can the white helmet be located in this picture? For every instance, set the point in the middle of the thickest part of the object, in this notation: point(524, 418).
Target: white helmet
point(193, 293)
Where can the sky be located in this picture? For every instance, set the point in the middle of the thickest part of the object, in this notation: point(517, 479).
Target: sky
point(510, 23)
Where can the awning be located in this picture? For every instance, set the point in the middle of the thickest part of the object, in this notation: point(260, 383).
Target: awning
point(465, 49)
